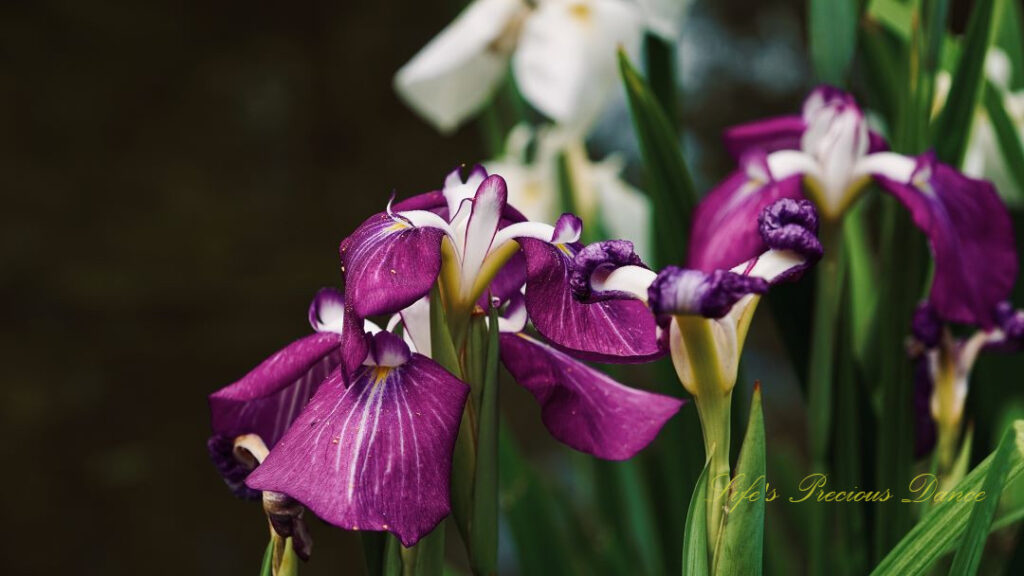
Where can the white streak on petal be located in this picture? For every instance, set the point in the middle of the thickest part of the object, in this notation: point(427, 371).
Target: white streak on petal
point(633, 280)
point(888, 164)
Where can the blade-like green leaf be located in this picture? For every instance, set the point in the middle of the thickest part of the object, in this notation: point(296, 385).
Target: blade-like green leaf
point(668, 179)
point(695, 539)
point(953, 126)
point(1011, 39)
point(833, 36)
point(484, 528)
point(267, 566)
point(895, 16)
point(968, 557)
point(947, 521)
point(1009, 144)
point(740, 550)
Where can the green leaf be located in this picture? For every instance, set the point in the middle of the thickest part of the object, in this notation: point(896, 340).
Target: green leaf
point(894, 15)
point(695, 539)
point(947, 521)
point(484, 527)
point(267, 566)
point(740, 550)
point(1011, 39)
point(833, 37)
point(953, 126)
point(968, 557)
point(1009, 143)
point(668, 179)
point(442, 350)
point(660, 65)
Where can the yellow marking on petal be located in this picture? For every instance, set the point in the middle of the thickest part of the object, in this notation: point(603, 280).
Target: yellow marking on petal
point(396, 226)
point(380, 374)
point(564, 249)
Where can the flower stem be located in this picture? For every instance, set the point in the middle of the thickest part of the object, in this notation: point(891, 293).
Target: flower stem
point(715, 411)
point(820, 371)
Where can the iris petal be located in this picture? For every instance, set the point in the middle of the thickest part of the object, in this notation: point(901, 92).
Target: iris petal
point(583, 407)
point(613, 330)
point(267, 400)
point(725, 229)
point(375, 455)
point(389, 264)
point(971, 238)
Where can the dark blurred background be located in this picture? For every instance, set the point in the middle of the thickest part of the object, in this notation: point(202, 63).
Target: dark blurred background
point(177, 179)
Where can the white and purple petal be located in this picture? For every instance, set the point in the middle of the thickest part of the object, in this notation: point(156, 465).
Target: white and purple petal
point(970, 234)
point(375, 455)
point(609, 331)
point(389, 263)
point(267, 400)
point(583, 407)
point(680, 292)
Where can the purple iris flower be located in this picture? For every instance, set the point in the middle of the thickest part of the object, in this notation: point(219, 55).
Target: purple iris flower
point(361, 423)
point(724, 299)
point(829, 154)
point(942, 370)
point(467, 237)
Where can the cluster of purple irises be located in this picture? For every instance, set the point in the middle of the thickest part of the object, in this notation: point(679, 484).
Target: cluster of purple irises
point(357, 423)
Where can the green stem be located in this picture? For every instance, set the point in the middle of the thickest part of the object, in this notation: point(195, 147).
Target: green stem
point(820, 372)
point(713, 396)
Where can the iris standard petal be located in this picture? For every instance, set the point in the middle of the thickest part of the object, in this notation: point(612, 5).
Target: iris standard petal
point(971, 239)
point(583, 407)
point(389, 264)
point(610, 331)
point(454, 75)
point(267, 400)
point(375, 455)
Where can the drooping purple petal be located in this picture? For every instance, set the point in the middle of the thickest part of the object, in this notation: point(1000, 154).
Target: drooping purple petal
point(610, 331)
point(389, 264)
point(267, 400)
point(971, 238)
point(375, 455)
point(679, 291)
point(768, 135)
point(725, 229)
point(583, 407)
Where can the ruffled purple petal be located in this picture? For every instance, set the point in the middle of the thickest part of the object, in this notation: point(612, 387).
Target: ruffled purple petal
point(971, 238)
point(725, 224)
point(619, 331)
point(789, 225)
point(769, 135)
point(606, 255)
point(582, 407)
point(375, 455)
point(267, 400)
point(388, 264)
point(679, 291)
